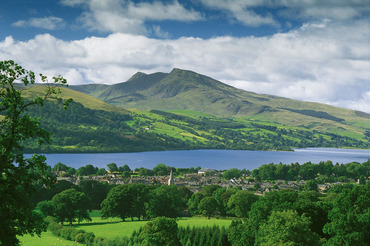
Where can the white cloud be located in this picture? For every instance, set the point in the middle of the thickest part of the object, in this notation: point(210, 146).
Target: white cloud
point(333, 9)
point(158, 32)
point(241, 10)
point(128, 17)
point(248, 11)
point(324, 62)
point(49, 23)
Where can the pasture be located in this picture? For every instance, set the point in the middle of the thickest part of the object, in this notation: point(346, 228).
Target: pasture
point(114, 227)
point(46, 239)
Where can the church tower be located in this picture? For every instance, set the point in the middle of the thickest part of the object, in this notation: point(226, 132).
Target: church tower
point(171, 180)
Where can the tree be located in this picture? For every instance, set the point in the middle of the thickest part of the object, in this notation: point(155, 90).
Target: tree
point(160, 231)
point(272, 201)
point(308, 171)
point(96, 191)
point(125, 174)
point(286, 228)
point(70, 205)
point(101, 171)
point(350, 223)
point(311, 185)
point(145, 172)
point(18, 174)
point(232, 173)
point(161, 170)
point(362, 180)
point(241, 202)
point(193, 203)
point(208, 206)
point(117, 203)
point(126, 201)
point(139, 197)
point(46, 208)
point(125, 168)
point(60, 166)
point(112, 167)
point(87, 170)
point(241, 233)
point(165, 201)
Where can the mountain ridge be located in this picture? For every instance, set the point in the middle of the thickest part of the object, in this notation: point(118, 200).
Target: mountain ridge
point(188, 90)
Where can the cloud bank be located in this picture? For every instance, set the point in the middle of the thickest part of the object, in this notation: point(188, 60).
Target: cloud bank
point(48, 23)
point(324, 61)
point(129, 17)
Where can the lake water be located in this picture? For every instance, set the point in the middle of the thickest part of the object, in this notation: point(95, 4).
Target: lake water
point(215, 159)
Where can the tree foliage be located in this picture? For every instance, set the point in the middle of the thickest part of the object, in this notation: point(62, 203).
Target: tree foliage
point(350, 217)
point(286, 228)
point(18, 174)
point(208, 206)
point(240, 203)
point(160, 231)
point(126, 201)
point(165, 201)
point(70, 205)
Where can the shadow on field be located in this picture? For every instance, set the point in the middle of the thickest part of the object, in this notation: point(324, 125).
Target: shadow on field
point(106, 223)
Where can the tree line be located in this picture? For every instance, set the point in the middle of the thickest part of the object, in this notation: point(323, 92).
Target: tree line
point(322, 172)
point(81, 129)
point(320, 218)
point(339, 217)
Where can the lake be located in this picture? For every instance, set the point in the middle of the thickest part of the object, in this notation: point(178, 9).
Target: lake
point(215, 159)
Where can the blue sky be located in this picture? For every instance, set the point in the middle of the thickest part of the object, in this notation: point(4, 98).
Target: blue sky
point(310, 50)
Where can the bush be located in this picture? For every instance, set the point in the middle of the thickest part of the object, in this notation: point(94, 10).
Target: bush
point(80, 237)
point(50, 219)
point(55, 228)
point(71, 233)
point(74, 233)
point(66, 233)
point(89, 238)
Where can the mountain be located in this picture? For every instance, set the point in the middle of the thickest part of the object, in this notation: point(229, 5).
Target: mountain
point(91, 125)
point(188, 91)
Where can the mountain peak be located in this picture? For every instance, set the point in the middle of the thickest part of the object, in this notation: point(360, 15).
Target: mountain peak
point(181, 72)
point(137, 75)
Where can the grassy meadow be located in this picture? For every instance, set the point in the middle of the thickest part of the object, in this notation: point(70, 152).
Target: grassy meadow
point(114, 227)
point(46, 239)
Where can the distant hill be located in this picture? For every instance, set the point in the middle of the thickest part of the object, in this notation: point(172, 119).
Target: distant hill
point(91, 125)
point(189, 91)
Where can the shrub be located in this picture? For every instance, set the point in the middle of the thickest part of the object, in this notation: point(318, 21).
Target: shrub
point(89, 238)
point(66, 233)
point(80, 237)
point(74, 233)
point(55, 228)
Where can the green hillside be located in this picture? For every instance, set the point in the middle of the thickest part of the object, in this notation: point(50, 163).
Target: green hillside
point(91, 125)
point(189, 91)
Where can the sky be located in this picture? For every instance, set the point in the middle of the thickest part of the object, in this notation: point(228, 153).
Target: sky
point(311, 50)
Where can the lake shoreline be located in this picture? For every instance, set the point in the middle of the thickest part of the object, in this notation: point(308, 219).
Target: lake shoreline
point(215, 159)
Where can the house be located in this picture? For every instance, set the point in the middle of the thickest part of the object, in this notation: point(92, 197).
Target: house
point(204, 170)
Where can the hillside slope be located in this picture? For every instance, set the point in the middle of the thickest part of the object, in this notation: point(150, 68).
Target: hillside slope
point(187, 90)
point(91, 125)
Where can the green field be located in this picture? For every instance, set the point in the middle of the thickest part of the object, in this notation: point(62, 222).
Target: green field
point(114, 227)
point(111, 228)
point(46, 239)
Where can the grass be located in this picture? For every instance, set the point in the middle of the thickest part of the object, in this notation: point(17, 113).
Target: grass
point(86, 100)
point(202, 221)
point(46, 239)
point(122, 229)
point(114, 227)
